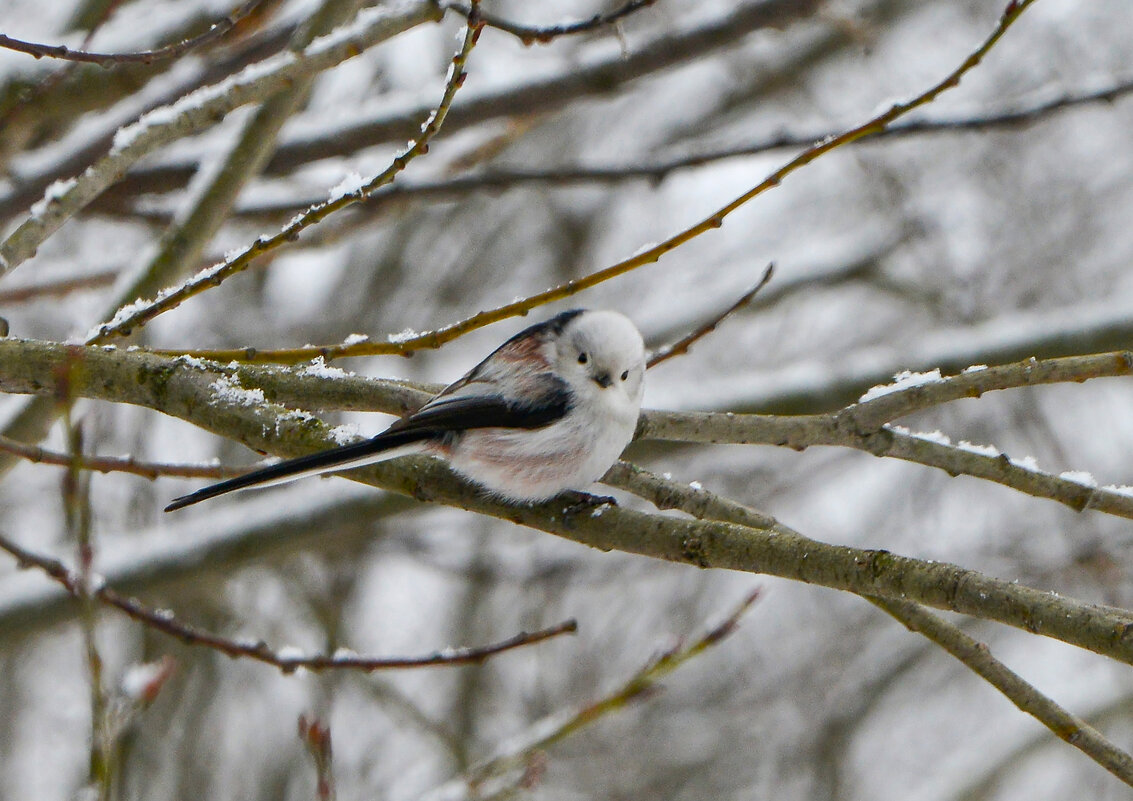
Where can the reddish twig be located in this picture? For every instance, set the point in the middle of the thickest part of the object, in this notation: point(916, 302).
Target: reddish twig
point(215, 31)
point(162, 620)
point(115, 464)
point(681, 346)
point(440, 336)
point(530, 34)
point(316, 738)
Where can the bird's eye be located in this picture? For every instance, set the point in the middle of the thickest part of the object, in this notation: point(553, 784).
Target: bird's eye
point(583, 358)
point(625, 374)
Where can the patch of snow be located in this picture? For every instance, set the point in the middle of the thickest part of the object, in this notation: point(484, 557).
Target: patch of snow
point(320, 369)
point(227, 391)
point(350, 184)
point(1079, 477)
point(906, 379)
point(939, 437)
point(344, 434)
point(138, 679)
point(1027, 463)
point(984, 450)
point(53, 194)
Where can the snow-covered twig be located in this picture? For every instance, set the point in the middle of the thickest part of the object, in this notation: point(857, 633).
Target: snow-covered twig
point(141, 312)
point(196, 111)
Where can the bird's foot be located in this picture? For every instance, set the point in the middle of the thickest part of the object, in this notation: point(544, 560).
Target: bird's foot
point(585, 502)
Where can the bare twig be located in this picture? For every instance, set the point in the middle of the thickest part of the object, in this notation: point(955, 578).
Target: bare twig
point(202, 108)
point(440, 336)
point(111, 464)
point(215, 31)
point(639, 686)
point(502, 178)
point(531, 34)
point(164, 621)
point(76, 504)
point(138, 315)
point(316, 739)
point(681, 346)
point(62, 286)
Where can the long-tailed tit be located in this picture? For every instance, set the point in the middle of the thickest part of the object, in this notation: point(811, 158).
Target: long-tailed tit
point(549, 410)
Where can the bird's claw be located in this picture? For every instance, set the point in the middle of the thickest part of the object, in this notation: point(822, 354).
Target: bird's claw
point(584, 502)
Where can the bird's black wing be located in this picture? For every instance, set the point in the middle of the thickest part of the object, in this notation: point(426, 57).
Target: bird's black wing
point(460, 412)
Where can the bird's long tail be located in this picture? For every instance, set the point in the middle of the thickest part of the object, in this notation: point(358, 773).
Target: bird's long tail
point(384, 446)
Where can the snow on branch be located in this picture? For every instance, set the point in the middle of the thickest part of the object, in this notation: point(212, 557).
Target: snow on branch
point(198, 110)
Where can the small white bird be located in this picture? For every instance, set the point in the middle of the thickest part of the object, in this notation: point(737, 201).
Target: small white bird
point(550, 410)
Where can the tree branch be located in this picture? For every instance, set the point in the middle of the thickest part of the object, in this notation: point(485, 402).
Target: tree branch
point(140, 313)
point(165, 622)
point(196, 393)
point(215, 31)
point(974, 655)
point(440, 336)
point(196, 111)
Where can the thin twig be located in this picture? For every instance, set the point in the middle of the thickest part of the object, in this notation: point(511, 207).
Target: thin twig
point(215, 31)
point(76, 505)
point(502, 178)
point(440, 336)
point(531, 34)
point(164, 621)
point(681, 346)
point(641, 685)
point(315, 736)
point(116, 464)
point(138, 315)
point(56, 288)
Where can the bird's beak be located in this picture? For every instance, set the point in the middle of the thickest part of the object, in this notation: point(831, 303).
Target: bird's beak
point(603, 380)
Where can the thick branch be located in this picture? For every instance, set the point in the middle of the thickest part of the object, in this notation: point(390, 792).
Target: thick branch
point(209, 399)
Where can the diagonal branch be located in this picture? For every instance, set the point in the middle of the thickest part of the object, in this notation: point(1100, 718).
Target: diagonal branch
point(440, 336)
point(975, 655)
point(196, 111)
point(140, 313)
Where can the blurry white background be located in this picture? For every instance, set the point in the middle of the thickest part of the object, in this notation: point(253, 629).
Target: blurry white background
point(972, 245)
